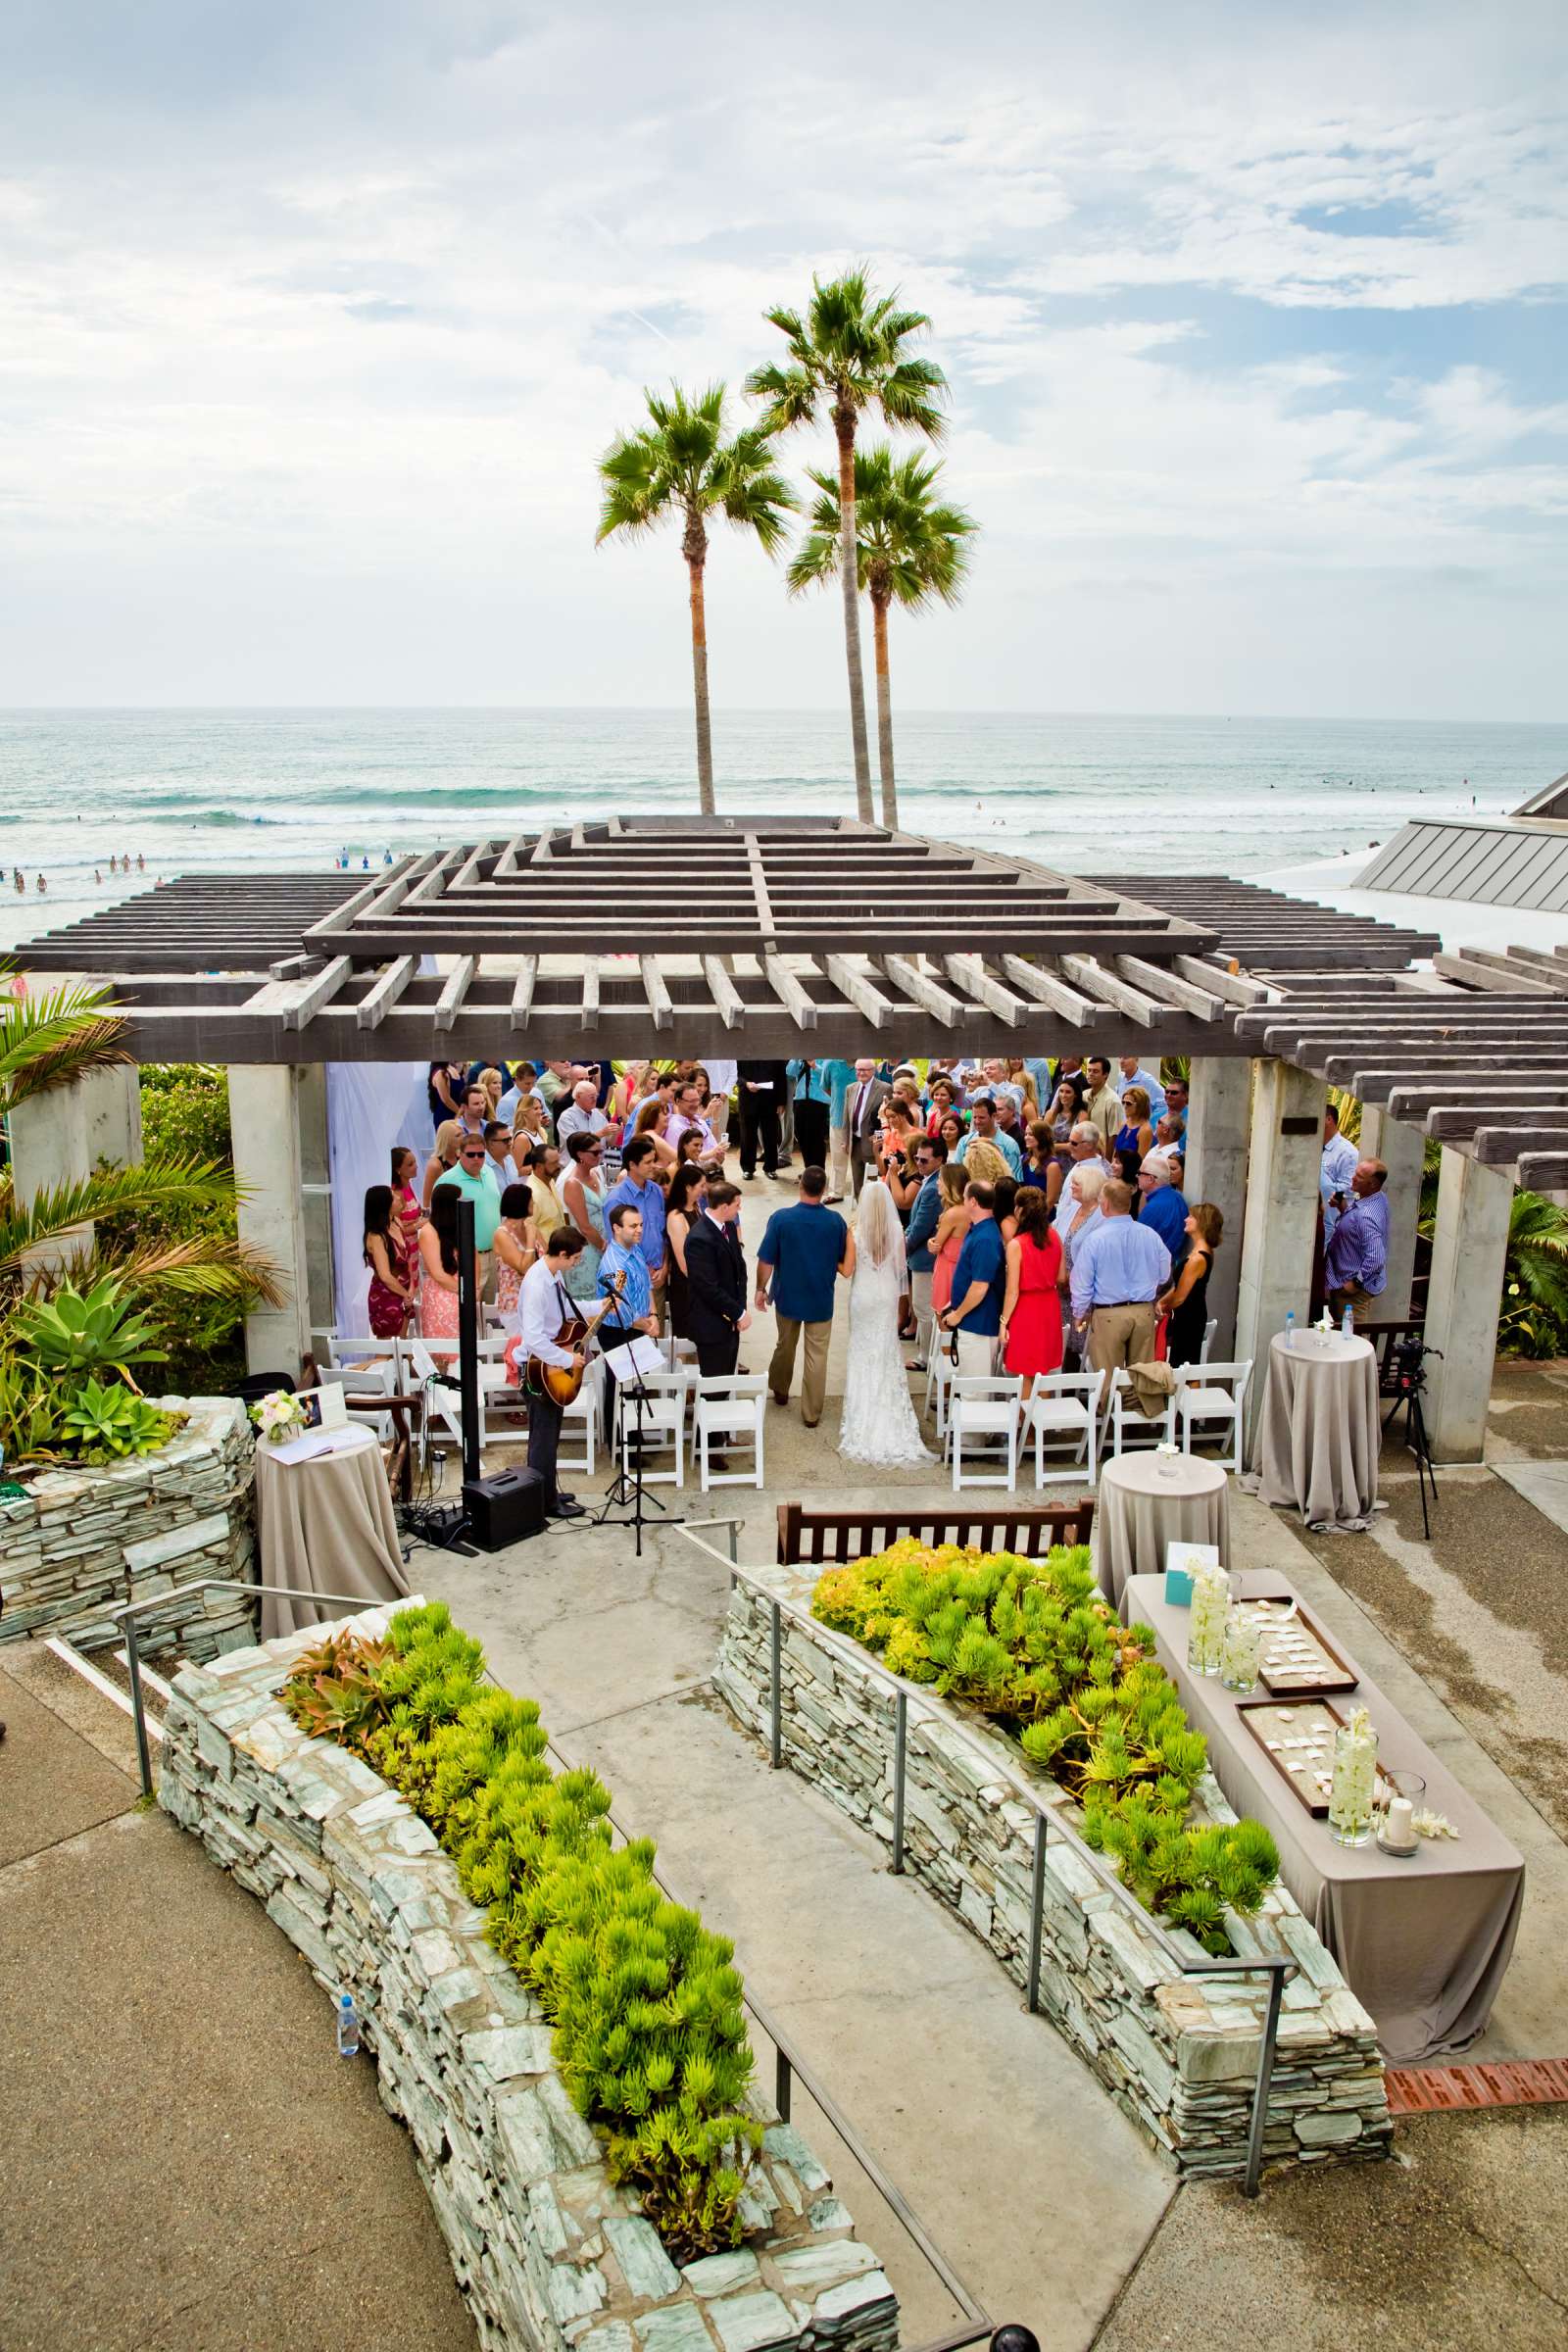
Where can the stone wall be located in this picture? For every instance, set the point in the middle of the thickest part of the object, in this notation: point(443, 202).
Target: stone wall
point(547, 2250)
point(81, 1543)
point(1178, 2053)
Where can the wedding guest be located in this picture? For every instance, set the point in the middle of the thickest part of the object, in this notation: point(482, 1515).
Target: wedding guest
point(653, 1123)
point(498, 1145)
point(1160, 1206)
point(979, 1283)
point(925, 1214)
point(476, 1113)
point(1186, 1302)
point(983, 1159)
point(863, 1117)
point(638, 1189)
point(688, 1120)
point(1021, 1080)
point(951, 1130)
point(716, 1277)
point(1176, 1105)
point(555, 1080)
point(804, 1251)
point(474, 1179)
point(1134, 1137)
point(1009, 1124)
point(1129, 1075)
point(392, 1294)
point(517, 1245)
point(439, 1258)
point(444, 1089)
point(406, 1206)
point(530, 1125)
point(1337, 1168)
point(490, 1080)
point(688, 1189)
point(524, 1089)
point(582, 1116)
point(1117, 1274)
point(1102, 1103)
point(952, 1223)
point(448, 1136)
point(582, 1195)
point(1031, 1306)
point(543, 1169)
point(624, 1095)
point(943, 1100)
point(983, 1129)
point(1355, 1265)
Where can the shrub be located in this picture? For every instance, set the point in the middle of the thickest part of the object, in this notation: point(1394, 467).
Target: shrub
point(646, 2004)
point(1034, 1646)
point(77, 1334)
point(108, 1424)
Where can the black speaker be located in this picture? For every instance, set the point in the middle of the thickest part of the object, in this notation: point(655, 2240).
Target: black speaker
point(505, 1508)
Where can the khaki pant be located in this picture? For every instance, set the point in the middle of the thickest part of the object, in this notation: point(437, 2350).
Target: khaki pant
point(838, 1141)
point(978, 1353)
point(920, 1295)
point(1119, 1335)
point(781, 1371)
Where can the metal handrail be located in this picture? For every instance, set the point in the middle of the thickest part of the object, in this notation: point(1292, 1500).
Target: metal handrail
point(789, 2066)
point(1278, 1967)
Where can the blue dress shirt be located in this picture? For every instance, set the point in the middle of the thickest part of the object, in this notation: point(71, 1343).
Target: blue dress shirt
point(1341, 1159)
point(1005, 1145)
point(1119, 1263)
point(1152, 1088)
point(648, 1197)
point(637, 1299)
point(811, 1084)
point(1164, 1212)
point(1359, 1248)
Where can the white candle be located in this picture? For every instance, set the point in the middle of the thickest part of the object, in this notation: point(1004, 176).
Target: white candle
point(1398, 1830)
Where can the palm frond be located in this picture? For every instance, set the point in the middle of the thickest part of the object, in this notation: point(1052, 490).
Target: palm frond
point(58, 1211)
point(47, 1040)
point(207, 1266)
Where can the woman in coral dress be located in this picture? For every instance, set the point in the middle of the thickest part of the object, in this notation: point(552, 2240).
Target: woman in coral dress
point(1031, 1310)
point(948, 1240)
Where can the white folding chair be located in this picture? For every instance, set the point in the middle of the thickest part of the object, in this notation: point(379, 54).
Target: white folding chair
point(1064, 1406)
point(728, 1408)
point(662, 1422)
point(583, 1415)
point(938, 1377)
point(441, 1411)
point(985, 1407)
point(1209, 1329)
point(1127, 1423)
point(1213, 1392)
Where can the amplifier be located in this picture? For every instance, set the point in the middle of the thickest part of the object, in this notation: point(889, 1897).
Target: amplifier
point(503, 1508)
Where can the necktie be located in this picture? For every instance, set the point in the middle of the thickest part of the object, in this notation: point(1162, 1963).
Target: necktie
point(859, 1105)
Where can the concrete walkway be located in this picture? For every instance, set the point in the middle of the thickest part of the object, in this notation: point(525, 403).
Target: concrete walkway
point(185, 2164)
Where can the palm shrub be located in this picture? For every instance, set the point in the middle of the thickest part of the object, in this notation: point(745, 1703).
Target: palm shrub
point(1034, 1646)
point(650, 2032)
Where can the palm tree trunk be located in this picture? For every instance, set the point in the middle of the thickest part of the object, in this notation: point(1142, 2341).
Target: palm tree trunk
point(843, 425)
point(694, 546)
point(884, 715)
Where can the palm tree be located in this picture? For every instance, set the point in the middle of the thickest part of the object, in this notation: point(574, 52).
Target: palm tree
point(847, 355)
point(680, 463)
point(51, 1039)
point(911, 547)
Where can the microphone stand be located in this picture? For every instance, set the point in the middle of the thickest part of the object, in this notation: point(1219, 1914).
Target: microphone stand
point(633, 1494)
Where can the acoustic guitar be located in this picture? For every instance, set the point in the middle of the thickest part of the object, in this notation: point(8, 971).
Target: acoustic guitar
point(560, 1383)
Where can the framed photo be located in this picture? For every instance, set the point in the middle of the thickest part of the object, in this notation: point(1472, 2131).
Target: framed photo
point(324, 1407)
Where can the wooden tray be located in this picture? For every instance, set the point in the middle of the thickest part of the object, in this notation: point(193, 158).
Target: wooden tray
point(1277, 1720)
point(1322, 1669)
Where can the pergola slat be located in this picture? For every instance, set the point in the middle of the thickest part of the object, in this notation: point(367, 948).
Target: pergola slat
point(1045, 989)
point(970, 973)
point(309, 996)
point(450, 1002)
point(660, 1011)
point(590, 987)
point(859, 990)
point(1167, 987)
point(523, 992)
point(727, 998)
point(1498, 978)
point(937, 1001)
point(1132, 1002)
point(1543, 1171)
point(1233, 987)
point(373, 1007)
point(801, 1008)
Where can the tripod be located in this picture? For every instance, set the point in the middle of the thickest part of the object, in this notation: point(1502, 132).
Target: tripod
point(1412, 1380)
point(630, 1492)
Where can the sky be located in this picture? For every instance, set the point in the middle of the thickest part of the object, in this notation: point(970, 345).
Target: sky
point(316, 317)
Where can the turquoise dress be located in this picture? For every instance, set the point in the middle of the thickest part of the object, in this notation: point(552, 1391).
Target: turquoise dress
point(582, 1276)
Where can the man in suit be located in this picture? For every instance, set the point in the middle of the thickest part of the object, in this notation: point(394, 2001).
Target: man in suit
point(862, 1109)
point(762, 1088)
point(715, 1282)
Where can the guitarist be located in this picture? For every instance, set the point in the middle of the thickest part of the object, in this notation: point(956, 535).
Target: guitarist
point(544, 1310)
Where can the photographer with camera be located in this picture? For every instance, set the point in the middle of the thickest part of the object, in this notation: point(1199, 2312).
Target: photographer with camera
point(1355, 1264)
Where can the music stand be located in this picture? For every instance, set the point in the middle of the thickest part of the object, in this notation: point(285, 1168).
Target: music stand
point(631, 1494)
point(447, 1526)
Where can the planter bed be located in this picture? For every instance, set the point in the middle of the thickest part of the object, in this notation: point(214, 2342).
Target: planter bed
point(547, 2249)
point(82, 1541)
point(1179, 2053)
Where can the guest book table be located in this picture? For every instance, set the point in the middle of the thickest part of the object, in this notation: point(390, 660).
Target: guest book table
point(1317, 1442)
point(1146, 1501)
point(326, 1524)
point(1423, 1942)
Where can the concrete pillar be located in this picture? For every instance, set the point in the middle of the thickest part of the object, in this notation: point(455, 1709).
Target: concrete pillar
point(1469, 1249)
point(1216, 1170)
point(317, 1173)
point(48, 1135)
point(112, 1103)
point(1400, 1150)
point(264, 1110)
point(1281, 1228)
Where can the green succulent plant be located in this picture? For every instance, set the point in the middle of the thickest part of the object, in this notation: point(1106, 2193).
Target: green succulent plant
point(108, 1423)
point(77, 1334)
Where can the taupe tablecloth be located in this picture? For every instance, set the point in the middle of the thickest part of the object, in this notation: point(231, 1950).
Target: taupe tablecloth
point(1317, 1442)
point(1422, 1943)
point(1146, 1501)
point(327, 1524)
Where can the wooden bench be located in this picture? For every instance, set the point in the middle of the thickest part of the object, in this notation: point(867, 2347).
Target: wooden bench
point(813, 1537)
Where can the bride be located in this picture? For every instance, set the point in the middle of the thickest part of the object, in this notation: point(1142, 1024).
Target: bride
point(879, 1424)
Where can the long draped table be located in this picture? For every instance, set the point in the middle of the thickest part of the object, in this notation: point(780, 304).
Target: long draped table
point(1318, 1437)
point(328, 1525)
point(1423, 1942)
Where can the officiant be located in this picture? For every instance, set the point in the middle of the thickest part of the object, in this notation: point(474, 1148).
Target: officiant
point(761, 1087)
point(715, 1282)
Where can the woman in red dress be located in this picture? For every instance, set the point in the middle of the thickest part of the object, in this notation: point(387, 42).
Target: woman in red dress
point(1031, 1310)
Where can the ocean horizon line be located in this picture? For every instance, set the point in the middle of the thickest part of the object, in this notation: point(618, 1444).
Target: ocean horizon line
point(798, 710)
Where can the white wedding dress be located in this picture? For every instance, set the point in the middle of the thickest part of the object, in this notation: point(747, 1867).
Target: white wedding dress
point(879, 1424)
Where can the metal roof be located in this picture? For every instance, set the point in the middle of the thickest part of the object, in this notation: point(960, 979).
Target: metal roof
point(1500, 861)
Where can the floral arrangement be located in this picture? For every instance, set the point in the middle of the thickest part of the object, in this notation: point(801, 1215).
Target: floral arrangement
point(278, 1416)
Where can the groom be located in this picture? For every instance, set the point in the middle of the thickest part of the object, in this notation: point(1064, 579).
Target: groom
point(804, 1251)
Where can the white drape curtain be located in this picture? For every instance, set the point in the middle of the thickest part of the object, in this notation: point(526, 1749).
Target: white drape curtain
point(370, 1106)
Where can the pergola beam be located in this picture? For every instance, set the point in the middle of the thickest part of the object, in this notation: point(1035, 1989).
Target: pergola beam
point(373, 1007)
point(1134, 1002)
point(859, 990)
point(728, 1002)
point(1045, 989)
point(660, 1012)
point(922, 989)
point(969, 971)
point(449, 1003)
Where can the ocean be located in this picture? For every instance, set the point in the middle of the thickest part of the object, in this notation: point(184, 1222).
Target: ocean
point(202, 790)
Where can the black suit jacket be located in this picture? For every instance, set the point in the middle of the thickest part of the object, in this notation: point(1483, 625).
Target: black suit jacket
point(715, 1279)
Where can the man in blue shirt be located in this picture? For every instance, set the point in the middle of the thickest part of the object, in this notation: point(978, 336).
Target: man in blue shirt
point(1355, 1265)
point(840, 1076)
point(979, 1284)
point(1160, 1206)
point(1129, 1075)
point(1117, 1274)
point(1336, 1178)
point(804, 1251)
point(637, 1190)
point(983, 1124)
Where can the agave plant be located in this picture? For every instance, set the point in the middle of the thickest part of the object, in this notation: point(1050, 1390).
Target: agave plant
point(77, 1334)
point(102, 1420)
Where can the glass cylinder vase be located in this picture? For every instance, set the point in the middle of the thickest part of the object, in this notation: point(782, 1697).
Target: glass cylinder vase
point(1207, 1630)
point(1355, 1780)
point(1241, 1646)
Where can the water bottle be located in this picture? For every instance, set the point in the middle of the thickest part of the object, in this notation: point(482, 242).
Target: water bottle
point(1348, 1322)
point(1290, 1327)
point(348, 2028)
